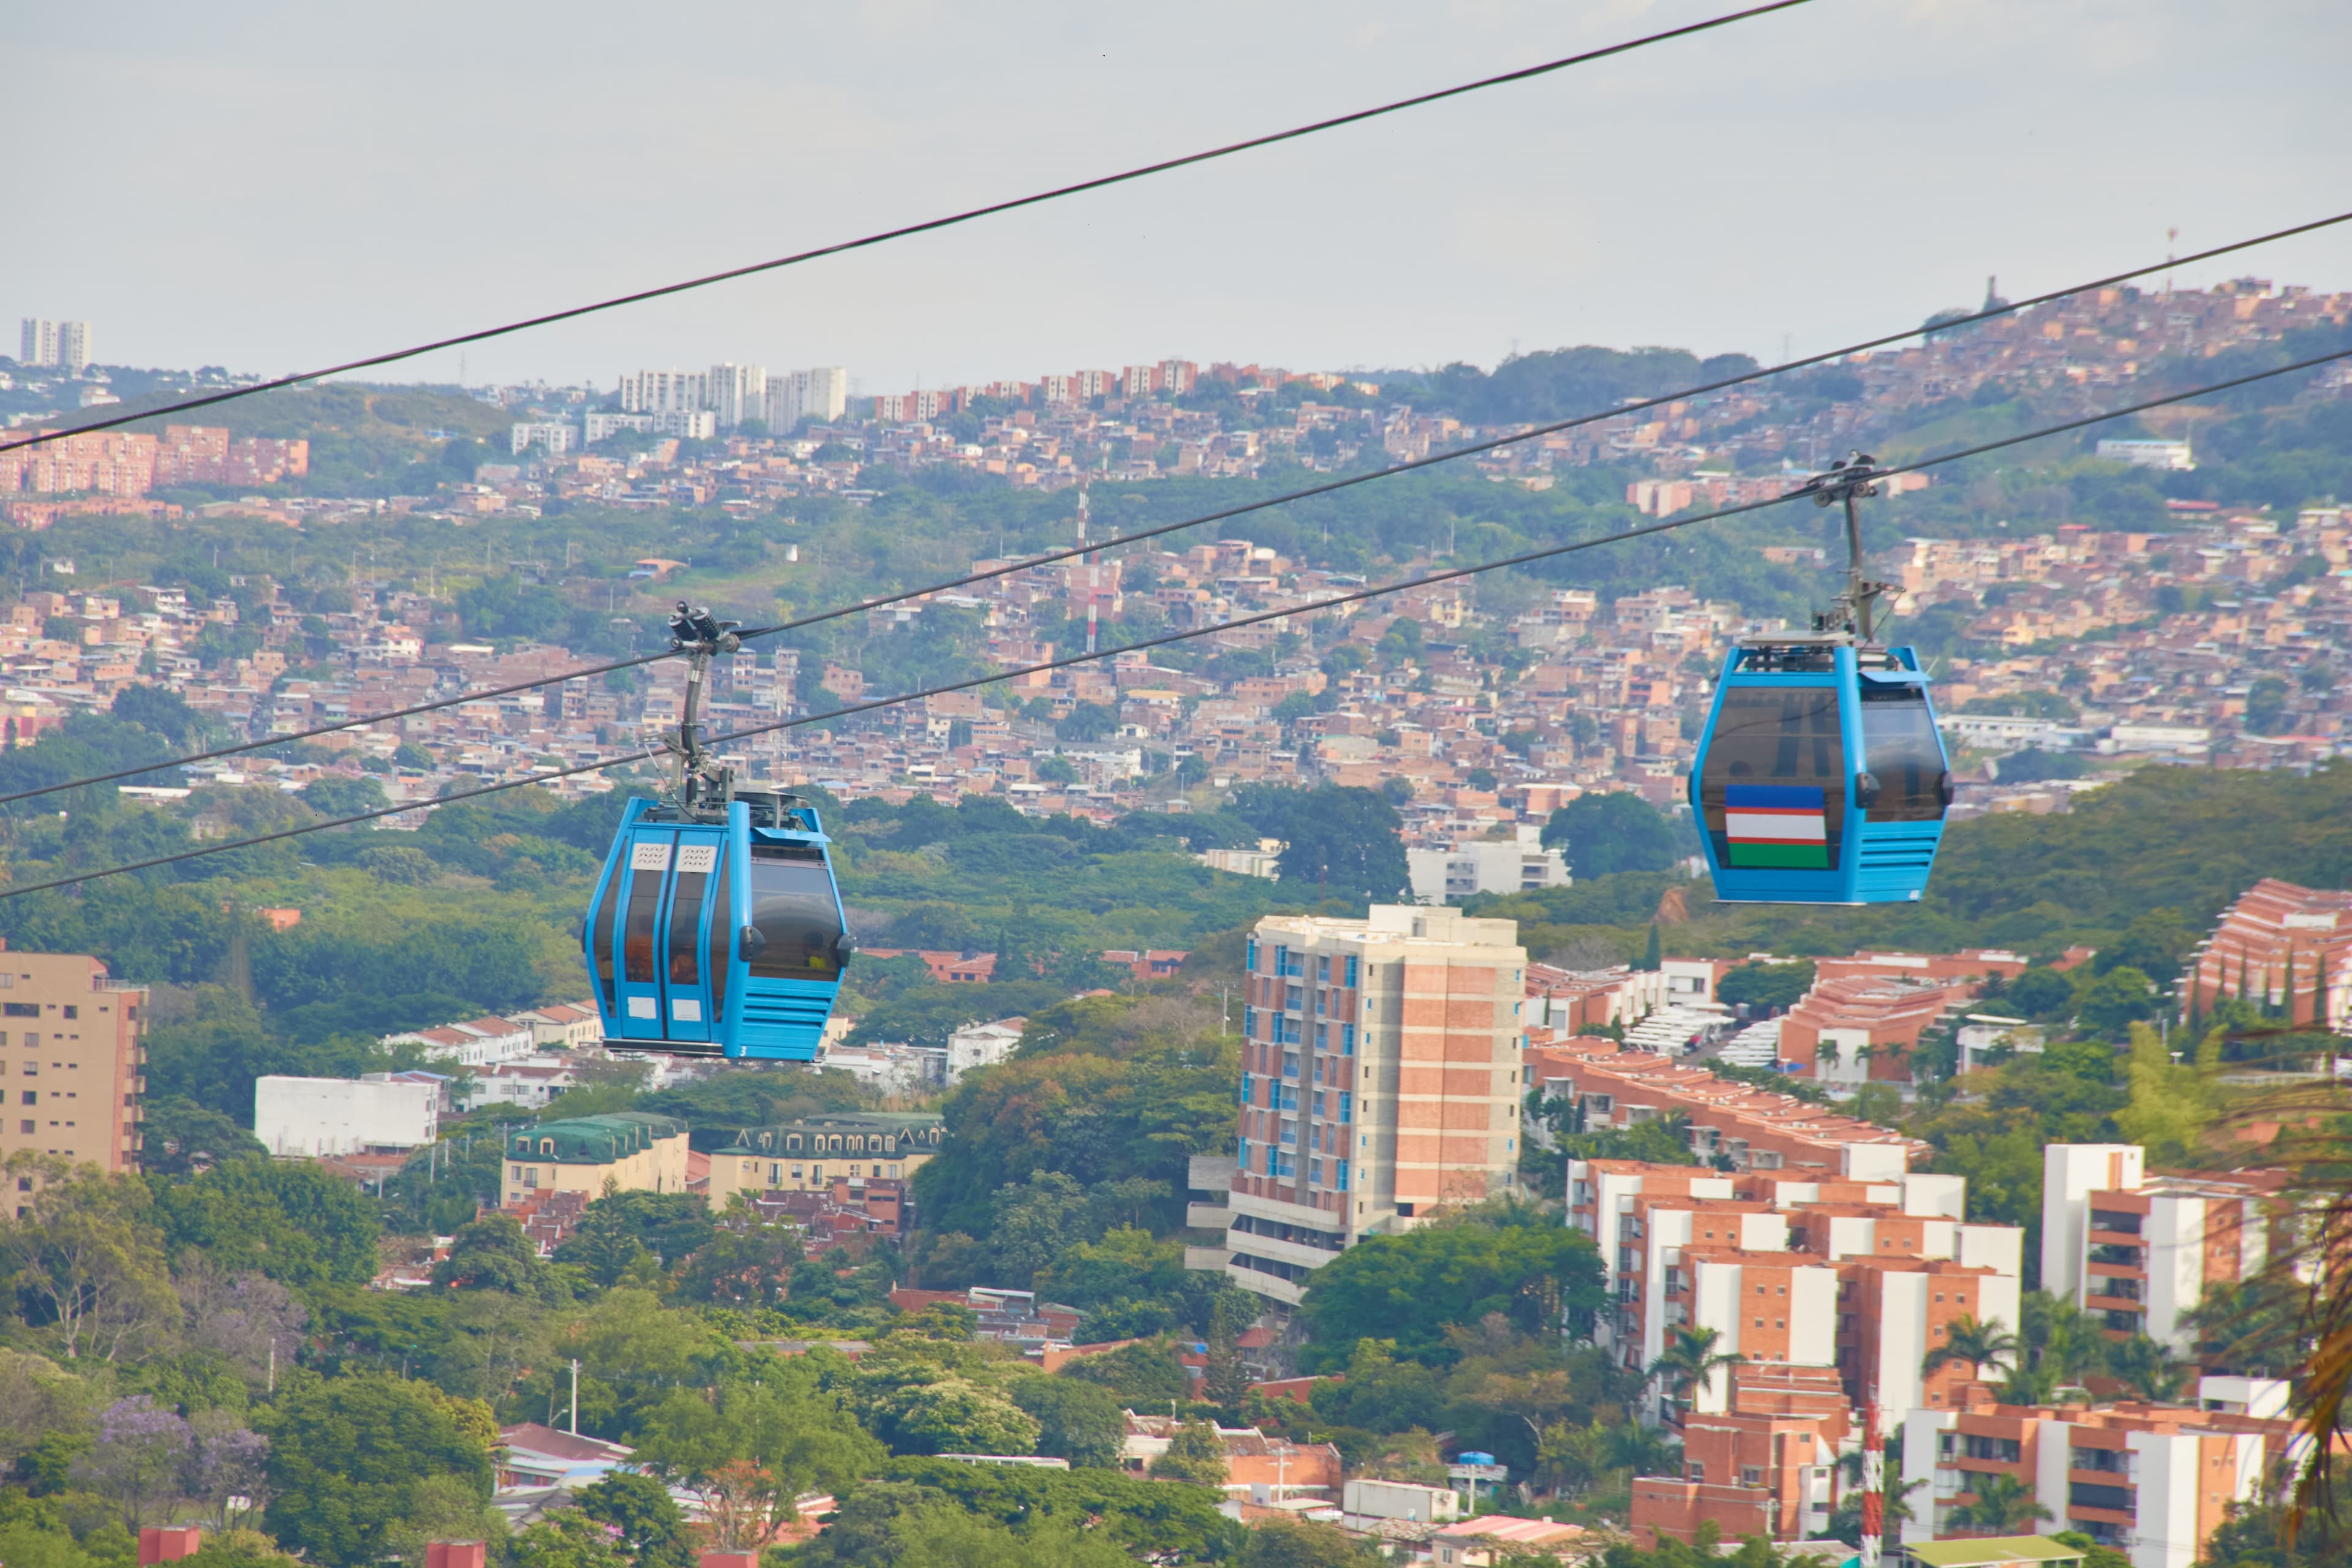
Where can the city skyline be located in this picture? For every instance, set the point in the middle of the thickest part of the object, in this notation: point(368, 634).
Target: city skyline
point(1284, 256)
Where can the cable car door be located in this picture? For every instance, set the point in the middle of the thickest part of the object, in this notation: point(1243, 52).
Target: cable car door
point(643, 951)
point(686, 913)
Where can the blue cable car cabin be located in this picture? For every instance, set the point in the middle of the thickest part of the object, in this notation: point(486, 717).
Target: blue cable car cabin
point(1821, 777)
point(718, 935)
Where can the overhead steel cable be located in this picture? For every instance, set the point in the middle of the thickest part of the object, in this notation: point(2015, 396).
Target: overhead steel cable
point(1357, 596)
point(1224, 514)
point(929, 226)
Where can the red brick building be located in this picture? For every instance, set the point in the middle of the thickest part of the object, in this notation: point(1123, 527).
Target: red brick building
point(2280, 946)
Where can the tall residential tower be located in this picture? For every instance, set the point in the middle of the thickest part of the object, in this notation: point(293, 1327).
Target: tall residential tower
point(1381, 1081)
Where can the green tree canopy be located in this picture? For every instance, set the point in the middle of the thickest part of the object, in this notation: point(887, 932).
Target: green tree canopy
point(1410, 1288)
point(1602, 833)
point(347, 1455)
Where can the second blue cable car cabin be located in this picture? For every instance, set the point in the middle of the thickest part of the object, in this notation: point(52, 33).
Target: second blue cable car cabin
point(1821, 777)
point(718, 936)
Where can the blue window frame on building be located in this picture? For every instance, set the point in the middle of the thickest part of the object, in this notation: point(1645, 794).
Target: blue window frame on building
point(1347, 1039)
point(1314, 1173)
point(1318, 1102)
point(1339, 1176)
point(1352, 971)
point(1250, 962)
point(1249, 1022)
point(1245, 1089)
point(1347, 1106)
point(1291, 1066)
point(1281, 959)
point(1323, 970)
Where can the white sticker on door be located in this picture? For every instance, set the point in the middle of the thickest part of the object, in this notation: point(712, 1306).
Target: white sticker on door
point(649, 856)
point(644, 1007)
point(685, 1010)
point(701, 857)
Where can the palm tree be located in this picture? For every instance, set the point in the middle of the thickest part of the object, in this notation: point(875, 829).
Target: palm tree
point(2003, 1506)
point(1980, 1344)
point(1688, 1362)
point(1640, 1450)
point(2150, 1369)
point(1570, 1457)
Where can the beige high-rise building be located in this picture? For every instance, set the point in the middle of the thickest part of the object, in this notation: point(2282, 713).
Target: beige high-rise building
point(1381, 1082)
point(73, 1051)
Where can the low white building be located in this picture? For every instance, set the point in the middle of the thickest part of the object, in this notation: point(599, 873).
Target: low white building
point(981, 1046)
point(1514, 865)
point(1985, 1033)
point(565, 1025)
point(531, 1083)
point(890, 1066)
point(1263, 861)
point(2173, 455)
point(1364, 1503)
point(309, 1117)
point(476, 1043)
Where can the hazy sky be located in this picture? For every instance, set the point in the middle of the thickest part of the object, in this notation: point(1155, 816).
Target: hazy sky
point(276, 185)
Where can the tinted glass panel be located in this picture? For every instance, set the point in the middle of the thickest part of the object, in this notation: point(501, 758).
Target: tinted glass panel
point(638, 938)
point(793, 906)
point(601, 921)
point(1899, 743)
point(722, 932)
point(1783, 751)
point(685, 930)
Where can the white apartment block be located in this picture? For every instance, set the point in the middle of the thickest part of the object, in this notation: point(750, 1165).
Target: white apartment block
point(320, 1116)
point(65, 344)
point(1859, 1275)
point(665, 390)
point(820, 393)
point(1381, 1083)
point(690, 424)
point(2141, 1248)
point(980, 1046)
point(2150, 1482)
point(594, 427)
point(1512, 865)
point(551, 438)
point(736, 393)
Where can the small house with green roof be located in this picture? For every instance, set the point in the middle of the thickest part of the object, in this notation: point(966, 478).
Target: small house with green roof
point(636, 1152)
point(808, 1154)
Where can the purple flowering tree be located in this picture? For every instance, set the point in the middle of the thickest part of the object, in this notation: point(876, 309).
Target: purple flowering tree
point(244, 1317)
point(139, 1460)
point(227, 1470)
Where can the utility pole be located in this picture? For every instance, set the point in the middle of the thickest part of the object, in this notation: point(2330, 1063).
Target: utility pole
point(575, 1396)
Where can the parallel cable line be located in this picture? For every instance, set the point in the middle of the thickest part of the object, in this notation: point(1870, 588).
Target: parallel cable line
point(928, 225)
point(1357, 596)
point(1226, 514)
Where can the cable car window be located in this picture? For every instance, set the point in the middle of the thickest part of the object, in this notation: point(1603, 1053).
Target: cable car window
point(722, 926)
point(601, 921)
point(1784, 753)
point(1900, 750)
point(799, 923)
point(648, 861)
point(694, 863)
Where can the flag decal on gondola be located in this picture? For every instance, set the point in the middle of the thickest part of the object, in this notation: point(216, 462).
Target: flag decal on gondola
point(1779, 826)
